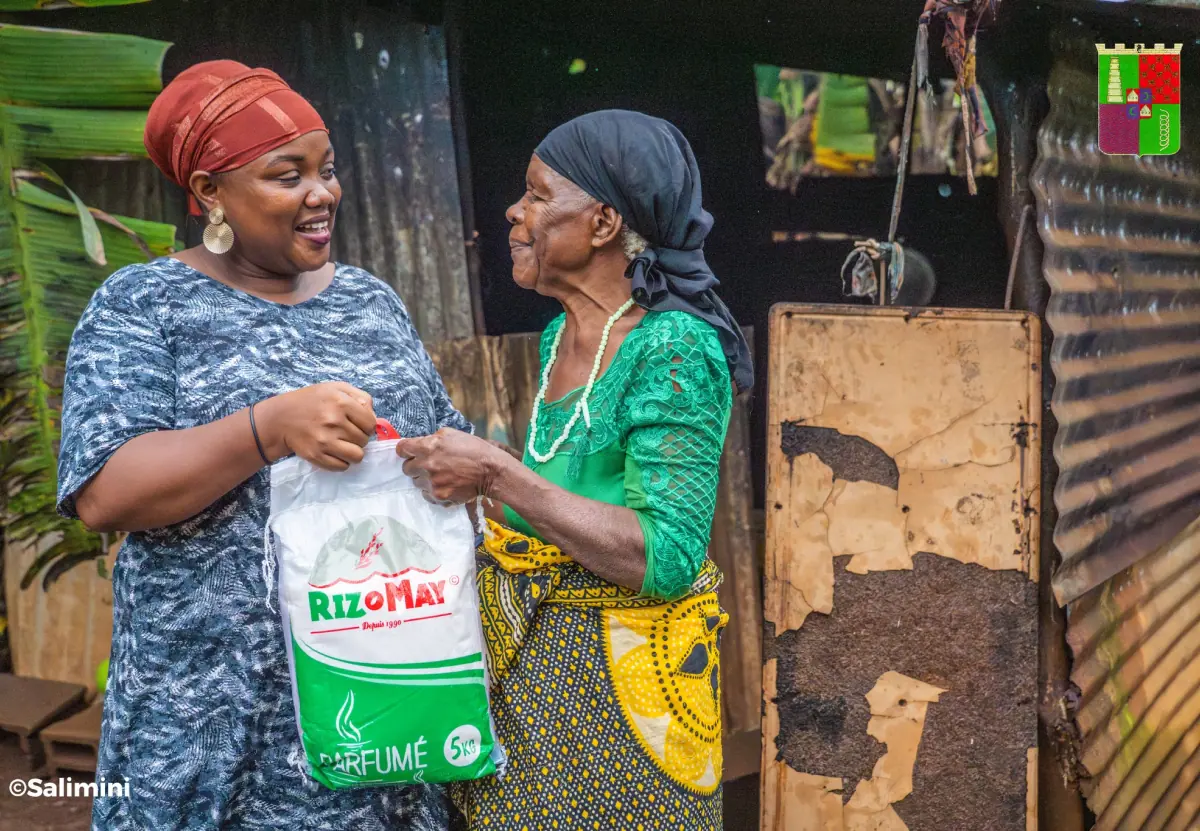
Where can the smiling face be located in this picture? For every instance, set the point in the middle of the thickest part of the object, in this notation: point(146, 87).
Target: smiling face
point(281, 206)
point(557, 229)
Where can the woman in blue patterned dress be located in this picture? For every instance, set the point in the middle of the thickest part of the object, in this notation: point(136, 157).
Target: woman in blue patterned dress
point(186, 377)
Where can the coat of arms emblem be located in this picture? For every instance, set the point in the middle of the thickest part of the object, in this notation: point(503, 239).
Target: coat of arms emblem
point(1138, 89)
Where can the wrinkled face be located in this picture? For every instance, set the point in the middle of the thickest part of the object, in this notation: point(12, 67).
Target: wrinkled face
point(553, 232)
point(281, 206)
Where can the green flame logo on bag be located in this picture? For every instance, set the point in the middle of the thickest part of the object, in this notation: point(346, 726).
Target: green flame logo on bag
point(345, 726)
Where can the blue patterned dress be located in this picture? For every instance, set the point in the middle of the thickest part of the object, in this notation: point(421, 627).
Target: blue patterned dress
point(199, 716)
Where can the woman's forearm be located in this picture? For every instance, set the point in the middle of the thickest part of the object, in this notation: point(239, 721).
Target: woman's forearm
point(162, 478)
point(493, 509)
point(159, 479)
point(605, 539)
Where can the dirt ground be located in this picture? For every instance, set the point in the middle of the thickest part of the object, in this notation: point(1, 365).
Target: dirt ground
point(29, 814)
point(36, 814)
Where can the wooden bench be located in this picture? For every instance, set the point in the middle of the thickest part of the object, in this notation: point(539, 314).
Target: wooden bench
point(72, 744)
point(29, 704)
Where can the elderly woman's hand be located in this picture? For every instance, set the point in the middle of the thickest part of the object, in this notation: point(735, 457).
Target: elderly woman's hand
point(451, 466)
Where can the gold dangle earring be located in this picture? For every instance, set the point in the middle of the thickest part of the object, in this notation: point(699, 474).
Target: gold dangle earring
point(218, 236)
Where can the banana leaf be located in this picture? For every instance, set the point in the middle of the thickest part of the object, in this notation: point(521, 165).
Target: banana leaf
point(844, 140)
point(37, 317)
point(766, 79)
point(47, 133)
point(55, 251)
point(33, 70)
point(92, 243)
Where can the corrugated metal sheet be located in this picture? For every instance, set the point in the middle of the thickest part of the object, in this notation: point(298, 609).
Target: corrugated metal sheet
point(1135, 642)
point(379, 79)
point(1123, 264)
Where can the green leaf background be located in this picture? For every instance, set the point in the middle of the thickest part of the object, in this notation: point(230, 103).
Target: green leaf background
point(63, 95)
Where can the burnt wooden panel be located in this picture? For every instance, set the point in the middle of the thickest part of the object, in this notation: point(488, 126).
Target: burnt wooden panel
point(902, 546)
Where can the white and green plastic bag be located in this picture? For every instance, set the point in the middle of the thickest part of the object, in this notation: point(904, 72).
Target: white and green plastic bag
point(381, 617)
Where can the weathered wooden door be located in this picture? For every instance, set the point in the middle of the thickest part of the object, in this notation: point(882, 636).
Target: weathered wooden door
point(902, 515)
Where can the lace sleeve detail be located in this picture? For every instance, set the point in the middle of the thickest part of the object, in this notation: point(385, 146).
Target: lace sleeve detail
point(679, 410)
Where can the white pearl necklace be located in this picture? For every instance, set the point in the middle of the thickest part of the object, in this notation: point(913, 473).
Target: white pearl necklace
point(582, 406)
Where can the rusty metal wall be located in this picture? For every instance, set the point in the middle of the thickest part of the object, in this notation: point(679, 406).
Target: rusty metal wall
point(1123, 262)
point(1122, 258)
point(379, 78)
point(1136, 642)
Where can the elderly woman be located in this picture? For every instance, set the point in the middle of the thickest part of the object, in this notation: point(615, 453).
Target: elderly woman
point(598, 598)
point(186, 378)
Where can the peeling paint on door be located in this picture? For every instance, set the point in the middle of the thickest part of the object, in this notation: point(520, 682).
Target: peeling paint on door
point(806, 802)
point(894, 434)
point(898, 705)
point(903, 496)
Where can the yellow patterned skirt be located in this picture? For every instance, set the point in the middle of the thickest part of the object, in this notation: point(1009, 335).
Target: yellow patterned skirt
point(607, 703)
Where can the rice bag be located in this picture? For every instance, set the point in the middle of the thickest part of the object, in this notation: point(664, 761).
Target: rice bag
point(381, 619)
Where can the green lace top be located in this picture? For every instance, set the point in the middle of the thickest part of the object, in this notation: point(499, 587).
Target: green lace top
point(658, 418)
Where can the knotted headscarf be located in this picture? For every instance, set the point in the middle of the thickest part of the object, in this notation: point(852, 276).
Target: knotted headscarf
point(220, 115)
point(644, 168)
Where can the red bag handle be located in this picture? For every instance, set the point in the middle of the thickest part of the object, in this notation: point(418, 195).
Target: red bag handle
point(384, 431)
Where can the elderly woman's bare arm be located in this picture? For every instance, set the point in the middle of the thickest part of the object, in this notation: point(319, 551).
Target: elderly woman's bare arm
point(605, 539)
point(656, 542)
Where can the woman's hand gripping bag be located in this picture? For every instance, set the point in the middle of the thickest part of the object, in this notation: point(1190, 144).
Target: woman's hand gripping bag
point(381, 618)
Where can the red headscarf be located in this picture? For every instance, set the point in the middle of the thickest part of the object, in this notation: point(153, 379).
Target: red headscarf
point(220, 115)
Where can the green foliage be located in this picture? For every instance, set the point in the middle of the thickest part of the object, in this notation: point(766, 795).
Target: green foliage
point(843, 125)
point(102, 677)
point(63, 95)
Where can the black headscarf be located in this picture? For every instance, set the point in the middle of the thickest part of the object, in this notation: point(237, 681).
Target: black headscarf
point(644, 168)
